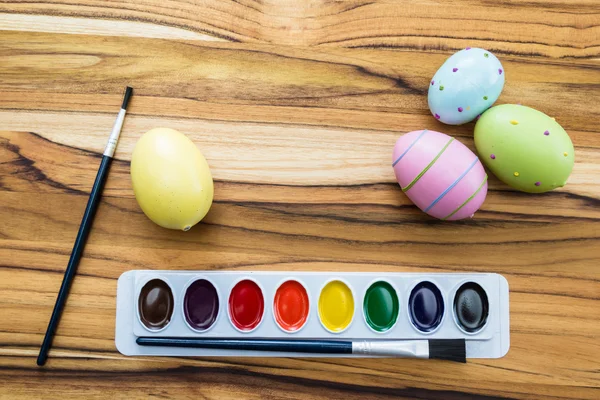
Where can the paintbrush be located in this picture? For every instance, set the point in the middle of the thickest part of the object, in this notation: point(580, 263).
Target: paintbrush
point(84, 228)
point(440, 349)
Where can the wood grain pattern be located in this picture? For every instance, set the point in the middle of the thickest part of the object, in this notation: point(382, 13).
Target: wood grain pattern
point(296, 106)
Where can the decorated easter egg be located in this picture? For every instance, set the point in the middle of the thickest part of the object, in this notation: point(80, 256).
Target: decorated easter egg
point(524, 148)
point(171, 179)
point(439, 174)
point(466, 85)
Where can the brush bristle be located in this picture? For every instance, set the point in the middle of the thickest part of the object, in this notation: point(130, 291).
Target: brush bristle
point(448, 349)
point(128, 93)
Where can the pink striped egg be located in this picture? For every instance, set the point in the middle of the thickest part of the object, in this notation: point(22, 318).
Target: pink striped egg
point(439, 174)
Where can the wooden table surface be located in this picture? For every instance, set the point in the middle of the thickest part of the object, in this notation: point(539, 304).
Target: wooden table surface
point(296, 105)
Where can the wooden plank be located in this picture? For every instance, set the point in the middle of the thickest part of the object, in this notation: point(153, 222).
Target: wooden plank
point(104, 27)
point(557, 28)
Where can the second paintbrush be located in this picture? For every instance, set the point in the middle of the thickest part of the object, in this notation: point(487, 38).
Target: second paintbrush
point(440, 349)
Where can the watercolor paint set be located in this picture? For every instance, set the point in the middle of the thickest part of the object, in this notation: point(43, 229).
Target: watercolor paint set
point(179, 308)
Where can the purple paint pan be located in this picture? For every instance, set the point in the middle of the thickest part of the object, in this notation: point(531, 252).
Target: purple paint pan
point(201, 305)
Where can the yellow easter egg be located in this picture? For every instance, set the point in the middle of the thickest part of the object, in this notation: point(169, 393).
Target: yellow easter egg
point(171, 179)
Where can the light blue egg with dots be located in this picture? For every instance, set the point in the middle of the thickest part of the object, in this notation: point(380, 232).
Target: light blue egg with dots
point(466, 85)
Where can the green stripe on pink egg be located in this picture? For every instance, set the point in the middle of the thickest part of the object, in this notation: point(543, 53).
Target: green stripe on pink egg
point(475, 197)
point(427, 145)
point(455, 161)
point(472, 186)
point(428, 166)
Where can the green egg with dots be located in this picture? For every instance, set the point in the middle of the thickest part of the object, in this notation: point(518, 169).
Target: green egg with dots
point(524, 148)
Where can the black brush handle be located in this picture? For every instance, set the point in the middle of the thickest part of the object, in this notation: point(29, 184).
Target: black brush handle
point(290, 346)
point(84, 230)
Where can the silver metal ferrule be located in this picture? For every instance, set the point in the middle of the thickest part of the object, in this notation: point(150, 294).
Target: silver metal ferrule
point(114, 134)
point(393, 348)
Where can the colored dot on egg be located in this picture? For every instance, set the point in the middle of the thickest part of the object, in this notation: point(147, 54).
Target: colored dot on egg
point(460, 109)
point(546, 133)
point(500, 71)
point(516, 174)
point(437, 116)
point(514, 122)
point(468, 48)
point(468, 108)
point(486, 55)
point(485, 97)
point(538, 183)
point(432, 83)
point(493, 156)
point(441, 87)
point(553, 119)
point(454, 69)
point(565, 154)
